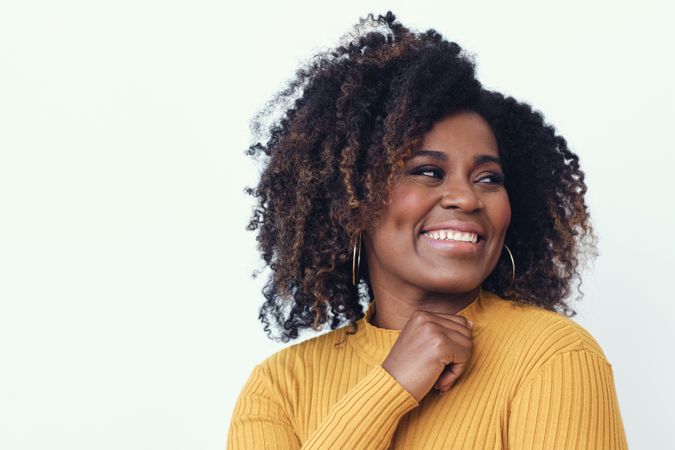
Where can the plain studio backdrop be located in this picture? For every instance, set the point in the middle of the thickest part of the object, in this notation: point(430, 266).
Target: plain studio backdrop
point(128, 315)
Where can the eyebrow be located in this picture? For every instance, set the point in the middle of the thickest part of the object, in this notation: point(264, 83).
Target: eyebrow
point(441, 156)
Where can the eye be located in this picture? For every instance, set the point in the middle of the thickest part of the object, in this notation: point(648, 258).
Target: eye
point(492, 178)
point(428, 171)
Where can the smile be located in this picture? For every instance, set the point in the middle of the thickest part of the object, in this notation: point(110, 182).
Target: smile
point(454, 242)
point(452, 235)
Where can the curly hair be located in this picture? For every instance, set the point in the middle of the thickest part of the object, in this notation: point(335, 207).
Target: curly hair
point(350, 118)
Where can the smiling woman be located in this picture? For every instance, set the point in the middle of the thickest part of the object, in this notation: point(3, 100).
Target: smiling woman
point(454, 184)
point(397, 184)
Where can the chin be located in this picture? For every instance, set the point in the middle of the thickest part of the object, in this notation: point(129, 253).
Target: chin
point(454, 285)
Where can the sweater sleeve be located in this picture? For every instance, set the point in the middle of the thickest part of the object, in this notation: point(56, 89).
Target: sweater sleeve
point(365, 417)
point(568, 403)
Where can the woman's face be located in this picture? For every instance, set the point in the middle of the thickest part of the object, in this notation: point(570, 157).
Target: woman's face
point(444, 226)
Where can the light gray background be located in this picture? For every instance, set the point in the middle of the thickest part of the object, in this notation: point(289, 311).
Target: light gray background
point(127, 310)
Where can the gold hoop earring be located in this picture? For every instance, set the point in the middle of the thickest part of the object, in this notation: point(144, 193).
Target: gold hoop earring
point(356, 259)
point(513, 263)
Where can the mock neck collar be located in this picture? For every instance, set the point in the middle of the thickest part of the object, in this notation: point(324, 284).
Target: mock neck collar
point(374, 343)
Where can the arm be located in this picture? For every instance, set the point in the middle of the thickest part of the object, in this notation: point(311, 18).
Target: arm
point(568, 403)
point(365, 417)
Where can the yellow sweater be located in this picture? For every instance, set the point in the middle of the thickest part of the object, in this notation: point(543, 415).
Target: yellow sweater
point(536, 380)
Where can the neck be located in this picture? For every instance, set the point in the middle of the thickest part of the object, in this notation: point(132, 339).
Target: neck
point(395, 307)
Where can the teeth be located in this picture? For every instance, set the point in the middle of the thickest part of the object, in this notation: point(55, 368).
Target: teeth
point(447, 235)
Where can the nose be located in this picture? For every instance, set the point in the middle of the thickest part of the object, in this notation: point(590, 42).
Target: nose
point(461, 195)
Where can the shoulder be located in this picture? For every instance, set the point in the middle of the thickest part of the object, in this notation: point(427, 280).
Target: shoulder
point(288, 373)
point(535, 341)
point(298, 357)
point(537, 335)
point(553, 330)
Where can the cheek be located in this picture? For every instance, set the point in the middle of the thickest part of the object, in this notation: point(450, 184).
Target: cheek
point(406, 208)
point(500, 213)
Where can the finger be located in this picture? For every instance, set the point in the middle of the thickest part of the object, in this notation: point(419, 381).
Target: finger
point(458, 364)
point(450, 375)
point(454, 317)
point(450, 324)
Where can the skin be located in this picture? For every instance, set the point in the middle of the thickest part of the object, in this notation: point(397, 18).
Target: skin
point(419, 288)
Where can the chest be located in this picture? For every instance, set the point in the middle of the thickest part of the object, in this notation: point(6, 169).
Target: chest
point(473, 414)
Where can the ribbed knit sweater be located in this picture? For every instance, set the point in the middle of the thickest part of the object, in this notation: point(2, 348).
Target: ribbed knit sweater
point(536, 380)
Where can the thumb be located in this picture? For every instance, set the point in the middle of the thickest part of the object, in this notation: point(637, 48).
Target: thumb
point(450, 374)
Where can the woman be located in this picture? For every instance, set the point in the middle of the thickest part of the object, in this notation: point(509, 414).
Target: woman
point(457, 216)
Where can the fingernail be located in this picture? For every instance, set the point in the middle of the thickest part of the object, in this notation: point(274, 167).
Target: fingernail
point(470, 323)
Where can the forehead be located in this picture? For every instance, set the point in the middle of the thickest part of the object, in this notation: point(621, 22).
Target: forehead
point(462, 133)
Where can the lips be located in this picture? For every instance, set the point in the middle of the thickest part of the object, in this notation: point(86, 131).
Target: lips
point(453, 247)
point(456, 225)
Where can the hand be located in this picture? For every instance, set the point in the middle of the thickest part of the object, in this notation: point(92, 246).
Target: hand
point(433, 349)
